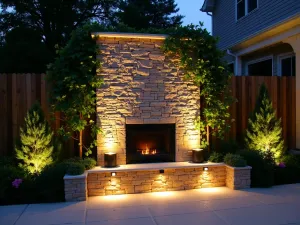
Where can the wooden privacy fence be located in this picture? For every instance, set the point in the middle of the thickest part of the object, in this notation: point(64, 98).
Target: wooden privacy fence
point(19, 91)
point(282, 91)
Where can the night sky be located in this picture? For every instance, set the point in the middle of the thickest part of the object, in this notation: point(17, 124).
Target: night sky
point(191, 10)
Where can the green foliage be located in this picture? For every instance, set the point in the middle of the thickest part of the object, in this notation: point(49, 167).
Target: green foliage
point(74, 78)
point(292, 161)
point(142, 14)
point(35, 148)
point(264, 131)
point(89, 163)
point(24, 52)
point(64, 18)
point(49, 184)
point(216, 157)
point(234, 160)
point(75, 168)
point(227, 146)
point(262, 172)
point(203, 64)
point(6, 160)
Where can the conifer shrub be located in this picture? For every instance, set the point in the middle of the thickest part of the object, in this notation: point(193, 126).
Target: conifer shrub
point(264, 131)
point(34, 150)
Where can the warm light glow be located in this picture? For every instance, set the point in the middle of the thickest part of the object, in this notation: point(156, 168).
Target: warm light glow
point(109, 144)
point(148, 151)
point(193, 141)
point(198, 149)
point(205, 168)
point(113, 174)
point(114, 197)
point(211, 190)
point(130, 35)
point(163, 194)
point(110, 153)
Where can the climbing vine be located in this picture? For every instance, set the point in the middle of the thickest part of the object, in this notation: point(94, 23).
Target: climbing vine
point(74, 81)
point(203, 64)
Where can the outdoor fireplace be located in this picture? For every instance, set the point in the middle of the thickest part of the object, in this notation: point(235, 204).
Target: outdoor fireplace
point(149, 143)
point(144, 98)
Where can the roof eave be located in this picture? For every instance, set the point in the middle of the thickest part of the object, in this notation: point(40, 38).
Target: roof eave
point(208, 6)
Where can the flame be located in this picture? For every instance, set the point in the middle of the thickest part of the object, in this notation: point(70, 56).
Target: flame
point(148, 151)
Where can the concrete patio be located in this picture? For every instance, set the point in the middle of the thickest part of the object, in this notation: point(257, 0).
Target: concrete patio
point(207, 206)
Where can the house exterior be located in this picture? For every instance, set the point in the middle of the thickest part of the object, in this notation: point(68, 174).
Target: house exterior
point(261, 38)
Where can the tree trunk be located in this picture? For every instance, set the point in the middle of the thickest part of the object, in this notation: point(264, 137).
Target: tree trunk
point(207, 138)
point(80, 140)
point(80, 144)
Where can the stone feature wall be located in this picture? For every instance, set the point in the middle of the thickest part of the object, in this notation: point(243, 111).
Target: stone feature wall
point(103, 183)
point(238, 177)
point(143, 86)
point(75, 188)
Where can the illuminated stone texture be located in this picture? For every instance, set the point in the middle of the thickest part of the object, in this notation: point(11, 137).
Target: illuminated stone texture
point(142, 85)
point(75, 187)
point(129, 182)
point(238, 177)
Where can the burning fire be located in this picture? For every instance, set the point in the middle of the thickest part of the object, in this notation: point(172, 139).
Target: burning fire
point(148, 151)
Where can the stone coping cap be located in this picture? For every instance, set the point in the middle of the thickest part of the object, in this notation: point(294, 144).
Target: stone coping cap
point(240, 168)
point(154, 166)
point(130, 35)
point(72, 177)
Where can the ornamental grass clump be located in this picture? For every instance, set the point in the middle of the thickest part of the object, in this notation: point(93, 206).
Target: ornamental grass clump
point(35, 148)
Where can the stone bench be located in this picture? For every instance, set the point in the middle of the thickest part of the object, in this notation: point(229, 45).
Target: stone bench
point(155, 177)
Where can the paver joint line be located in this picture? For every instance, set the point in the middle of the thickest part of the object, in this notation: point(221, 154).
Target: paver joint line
point(214, 212)
point(21, 214)
point(151, 216)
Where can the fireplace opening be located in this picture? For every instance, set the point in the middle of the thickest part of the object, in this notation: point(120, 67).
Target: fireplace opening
point(149, 143)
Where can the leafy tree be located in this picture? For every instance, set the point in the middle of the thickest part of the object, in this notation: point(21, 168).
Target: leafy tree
point(24, 52)
point(264, 131)
point(203, 64)
point(74, 82)
point(35, 148)
point(143, 14)
point(51, 21)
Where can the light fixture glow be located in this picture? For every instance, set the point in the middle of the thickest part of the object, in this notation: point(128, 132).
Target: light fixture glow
point(110, 153)
point(163, 194)
point(205, 168)
point(113, 174)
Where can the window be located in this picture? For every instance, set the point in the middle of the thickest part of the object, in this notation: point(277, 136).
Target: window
point(261, 67)
point(287, 65)
point(244, 7)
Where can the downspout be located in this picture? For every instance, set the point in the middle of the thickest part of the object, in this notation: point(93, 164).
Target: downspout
point(236, 64)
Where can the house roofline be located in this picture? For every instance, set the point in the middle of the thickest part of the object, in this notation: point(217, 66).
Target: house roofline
point(236, 45)
point(208, 6)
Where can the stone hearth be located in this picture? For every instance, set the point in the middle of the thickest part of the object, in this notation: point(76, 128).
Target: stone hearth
point(142, 86)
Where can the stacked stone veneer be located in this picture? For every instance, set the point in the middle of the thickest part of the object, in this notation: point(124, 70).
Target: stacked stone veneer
point(143, 86)
point(238, 177)
point(102, 183)
point(75, 187)
point(99, 183)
